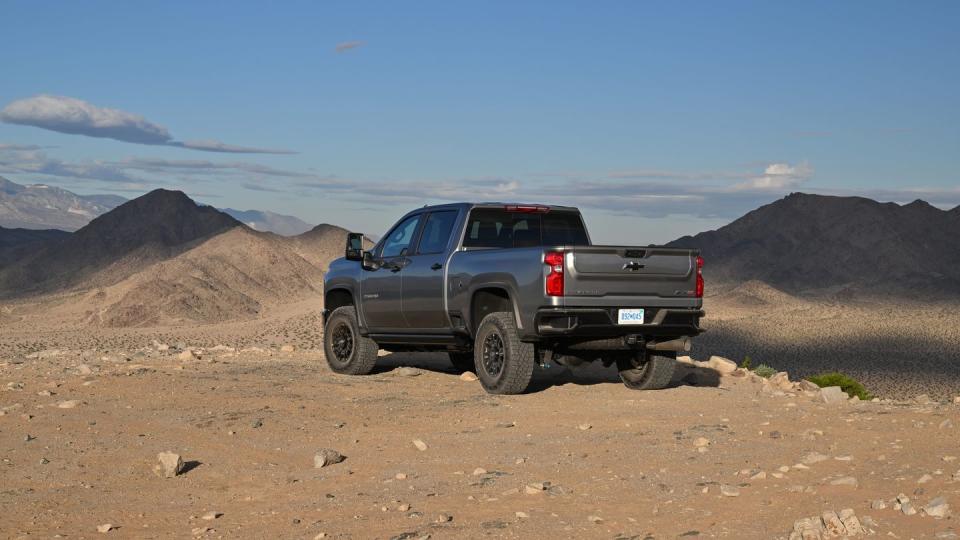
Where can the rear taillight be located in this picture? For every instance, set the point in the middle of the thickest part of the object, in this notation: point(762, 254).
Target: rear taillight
point(554, 259)
point(699, 277)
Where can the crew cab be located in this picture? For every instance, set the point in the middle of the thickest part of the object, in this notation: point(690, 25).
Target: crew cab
point(504, 288)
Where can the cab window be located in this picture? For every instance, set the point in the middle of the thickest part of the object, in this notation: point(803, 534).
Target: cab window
point(398, 241)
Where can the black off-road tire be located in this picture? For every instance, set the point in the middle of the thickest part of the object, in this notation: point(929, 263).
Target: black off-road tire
point(647, 370)
point(462, 361)
point(346, 350)
point(498, 343)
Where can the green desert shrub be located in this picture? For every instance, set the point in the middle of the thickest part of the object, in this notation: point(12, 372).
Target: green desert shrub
point(747, 363)
point(846, 383)
point(765, 371)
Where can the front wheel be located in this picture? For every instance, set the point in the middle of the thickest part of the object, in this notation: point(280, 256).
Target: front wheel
point(346, 350)
point(647, 371)
point(504, 364)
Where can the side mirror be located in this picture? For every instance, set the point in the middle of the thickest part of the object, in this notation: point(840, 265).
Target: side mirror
point(367, 262)
point(354, 250)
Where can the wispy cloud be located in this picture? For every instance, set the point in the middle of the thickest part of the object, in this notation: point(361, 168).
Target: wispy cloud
point(77, 117)
point(345, 46)
point(777, 176)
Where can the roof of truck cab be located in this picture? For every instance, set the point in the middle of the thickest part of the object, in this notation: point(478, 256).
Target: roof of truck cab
point(492, 205)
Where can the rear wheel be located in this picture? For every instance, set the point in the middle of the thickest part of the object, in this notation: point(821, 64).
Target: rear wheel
point(647, 371)
point(504, 364)
point(346, 350)
point(462, 361)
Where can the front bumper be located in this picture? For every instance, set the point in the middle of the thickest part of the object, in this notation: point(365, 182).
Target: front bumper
point(601, 323)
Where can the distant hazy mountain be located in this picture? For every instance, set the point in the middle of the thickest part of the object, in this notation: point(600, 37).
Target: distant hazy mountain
point(46, 207)
point(268, 221)
point(150, 228)
point(816, 243)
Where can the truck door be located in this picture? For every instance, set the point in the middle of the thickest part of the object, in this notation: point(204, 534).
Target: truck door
point(423, 275)
point(381, 288)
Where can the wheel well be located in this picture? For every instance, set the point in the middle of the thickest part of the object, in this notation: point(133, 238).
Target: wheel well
point(487, 301)
point(337, 298)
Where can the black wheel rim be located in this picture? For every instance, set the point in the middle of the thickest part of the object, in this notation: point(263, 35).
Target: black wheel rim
point(341, 341)
point(493, 355)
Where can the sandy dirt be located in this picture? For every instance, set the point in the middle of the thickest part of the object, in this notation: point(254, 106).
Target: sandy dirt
point(579, 456)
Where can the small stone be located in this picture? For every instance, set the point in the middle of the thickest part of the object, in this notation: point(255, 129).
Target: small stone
point(403, 508)
point(729, 491)
point(956, 400)
point(946, 424)
point(197, 531)
point(421, 446)
point(210, 516)
point(833, 395)
point(443, 518)
point(924, 479)
point(843, 458)
point(832, 523)
point(521, 515)
point(584, 427)
point(595, 519)
point(69, 404)
point(105, 528)
point(813, 457)
point(759, 476)
point(256, 424)
point(400, 476)
point(844, 481)
point(937, 508)
point(722, 365)
point(479, 471)
point(701, 442)
point(287, 348)
point(923, 399)
point(851, 522)
point(878, 504)
point(185, 356)
point(535, 488)
point(907, 508)
point(84, 369)
point(44, 461)
point(325, 457)
point(408, 372)
point(468, 376)
point(784, 468)
point(170, 465)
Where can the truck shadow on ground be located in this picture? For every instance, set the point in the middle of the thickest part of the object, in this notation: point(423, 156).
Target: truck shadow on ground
point(554, 375)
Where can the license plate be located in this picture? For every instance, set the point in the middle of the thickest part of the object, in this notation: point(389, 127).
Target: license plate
point(630, 316)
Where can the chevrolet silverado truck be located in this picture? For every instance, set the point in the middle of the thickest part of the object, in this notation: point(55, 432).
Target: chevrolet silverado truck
point(504, 288)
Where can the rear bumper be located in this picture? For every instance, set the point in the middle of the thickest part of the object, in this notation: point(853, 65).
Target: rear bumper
point(601, 323)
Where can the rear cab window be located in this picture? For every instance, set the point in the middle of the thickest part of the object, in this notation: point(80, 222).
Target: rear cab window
point(501, 228)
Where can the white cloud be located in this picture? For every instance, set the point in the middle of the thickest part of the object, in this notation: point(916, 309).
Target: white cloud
point(778, 176)
point(77, 117)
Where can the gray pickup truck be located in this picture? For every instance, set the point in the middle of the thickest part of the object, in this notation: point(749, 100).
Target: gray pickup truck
point(503, 288)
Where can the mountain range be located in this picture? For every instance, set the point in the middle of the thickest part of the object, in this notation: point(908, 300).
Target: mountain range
point(39, 206)
point(818, 244)
point(161, 258)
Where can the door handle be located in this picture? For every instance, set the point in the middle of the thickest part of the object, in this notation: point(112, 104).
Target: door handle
point(436, 266)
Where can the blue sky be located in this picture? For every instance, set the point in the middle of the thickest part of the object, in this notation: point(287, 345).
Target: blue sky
point(658, 119)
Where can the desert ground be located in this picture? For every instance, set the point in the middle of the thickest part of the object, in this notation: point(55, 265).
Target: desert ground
point(248, 405)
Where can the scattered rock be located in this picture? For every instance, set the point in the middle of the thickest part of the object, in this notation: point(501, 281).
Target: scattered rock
point(170, 465)
point(443, 518)
point(851, 522)
point(946, 424)
point(105, 528)
point(421, 446)
point(536, 487)
point(729, 491)
point(907, 508)
point(84, 369)
point(924, 479)
point(722, 365)
point(584, 427)
point(832, 395)
point(408, 372)
point(813, 457)
point(878, 504)
point(287, 348)
point(400, 476)
point(844, 481)
point(326, 456)
point(937, 508)
point(521, 515)
point(69, 404)
point(829, 524)
point(595, 519)
point(187, 355)
point(468, 376)
point(479, 471)
point(210, 516)
point(923, 399)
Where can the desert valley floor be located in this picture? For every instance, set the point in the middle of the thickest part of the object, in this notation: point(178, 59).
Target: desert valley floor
point(85, 411)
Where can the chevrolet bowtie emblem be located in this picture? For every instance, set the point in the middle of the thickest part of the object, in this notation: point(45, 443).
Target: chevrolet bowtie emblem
point(632, 265)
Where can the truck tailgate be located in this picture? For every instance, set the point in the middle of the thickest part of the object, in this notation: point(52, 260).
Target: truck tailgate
point(627, 271)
